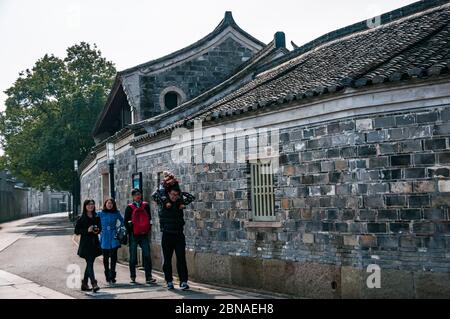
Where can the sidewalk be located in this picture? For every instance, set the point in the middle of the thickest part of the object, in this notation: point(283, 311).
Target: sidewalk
point(15, 287)
point(10, 233)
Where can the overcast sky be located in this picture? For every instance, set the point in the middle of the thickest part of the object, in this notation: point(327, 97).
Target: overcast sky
point(135, 31)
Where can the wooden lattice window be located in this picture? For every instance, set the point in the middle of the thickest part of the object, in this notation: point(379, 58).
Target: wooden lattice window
point(262, 191)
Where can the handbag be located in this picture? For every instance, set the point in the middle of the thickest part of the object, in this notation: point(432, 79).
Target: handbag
point(122, 235)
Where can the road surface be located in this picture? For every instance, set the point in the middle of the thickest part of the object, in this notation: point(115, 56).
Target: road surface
point(38, 260)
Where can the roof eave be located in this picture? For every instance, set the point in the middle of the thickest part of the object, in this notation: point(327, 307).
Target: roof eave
point(431, 73)
point(101, 116)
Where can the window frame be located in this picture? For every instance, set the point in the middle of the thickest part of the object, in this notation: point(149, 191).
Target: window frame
point(264, 213)
point(181, 97)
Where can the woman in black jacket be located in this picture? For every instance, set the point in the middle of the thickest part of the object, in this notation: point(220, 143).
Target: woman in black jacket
point(89, 226)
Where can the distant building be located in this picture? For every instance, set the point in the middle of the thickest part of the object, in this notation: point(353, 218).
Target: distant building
point(18, 200)
point(363, 120)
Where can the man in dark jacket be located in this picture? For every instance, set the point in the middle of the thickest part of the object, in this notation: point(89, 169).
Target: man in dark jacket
point(171, 202)
point(141, 239)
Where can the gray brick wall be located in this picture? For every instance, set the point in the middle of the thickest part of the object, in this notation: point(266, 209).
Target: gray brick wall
point(91, 187)
point(371, 186)
point(351, 192)
point(124, 166)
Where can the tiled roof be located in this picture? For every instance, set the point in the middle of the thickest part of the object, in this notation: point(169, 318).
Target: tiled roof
point(415, 45)
point(419, 42)
point(270, 51)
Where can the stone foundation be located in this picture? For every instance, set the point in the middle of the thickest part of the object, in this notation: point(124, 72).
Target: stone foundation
point(304, 280)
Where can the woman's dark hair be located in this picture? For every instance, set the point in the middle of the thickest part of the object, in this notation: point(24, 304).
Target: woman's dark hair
point(87, 202)
point(113, 202)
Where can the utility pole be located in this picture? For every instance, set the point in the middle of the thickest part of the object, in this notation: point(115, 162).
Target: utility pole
point(75, 190)
point(110, 154)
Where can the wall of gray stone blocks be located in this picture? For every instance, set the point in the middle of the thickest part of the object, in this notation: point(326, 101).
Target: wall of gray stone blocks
point(372, 186)
point(350, 193)
point(124, 167)
point(90, 185)
point(23, 202)
point(347, 190)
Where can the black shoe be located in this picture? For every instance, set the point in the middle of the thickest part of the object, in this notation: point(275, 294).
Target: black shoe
point(95, 287)
point(107, 277)
point(150, 281)
point(184, 286)
point(113, 277)
point(132, 280)
point(85, 286)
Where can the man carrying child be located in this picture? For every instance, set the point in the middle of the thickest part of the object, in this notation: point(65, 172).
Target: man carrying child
point(172, 201)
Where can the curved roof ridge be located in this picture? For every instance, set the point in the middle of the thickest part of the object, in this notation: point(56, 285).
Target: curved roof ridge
point(226, 22)
point(273, 46)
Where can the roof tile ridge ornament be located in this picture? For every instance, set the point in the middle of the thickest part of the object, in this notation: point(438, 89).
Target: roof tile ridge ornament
point(280, 39)
point(228, 19)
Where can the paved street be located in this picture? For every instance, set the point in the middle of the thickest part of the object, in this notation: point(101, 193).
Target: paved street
point(37, 255)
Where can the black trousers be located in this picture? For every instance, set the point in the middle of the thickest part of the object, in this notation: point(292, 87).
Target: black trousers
point(110, 261)
point(170, 243)
point(89, 271)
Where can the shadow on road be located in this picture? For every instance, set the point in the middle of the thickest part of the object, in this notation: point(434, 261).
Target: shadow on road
point(59, 220)
point(119, 290)
point(59, 226)
point(55, 227)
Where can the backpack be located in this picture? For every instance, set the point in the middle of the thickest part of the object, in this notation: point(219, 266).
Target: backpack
point(140, 219)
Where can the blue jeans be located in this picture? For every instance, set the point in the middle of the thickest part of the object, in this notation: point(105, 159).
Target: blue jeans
point(144, 243)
